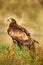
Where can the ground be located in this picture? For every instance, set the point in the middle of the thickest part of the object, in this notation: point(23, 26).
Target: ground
point(13, 55)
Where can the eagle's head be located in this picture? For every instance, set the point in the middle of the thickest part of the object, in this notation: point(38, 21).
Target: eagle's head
point(11, 20)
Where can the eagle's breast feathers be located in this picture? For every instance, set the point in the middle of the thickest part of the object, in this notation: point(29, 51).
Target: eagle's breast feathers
point(16, 33)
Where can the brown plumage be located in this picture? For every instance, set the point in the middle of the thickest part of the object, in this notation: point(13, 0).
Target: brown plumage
point(20, 34)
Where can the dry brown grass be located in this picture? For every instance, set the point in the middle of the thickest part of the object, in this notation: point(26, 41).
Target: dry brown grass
point(13, 55)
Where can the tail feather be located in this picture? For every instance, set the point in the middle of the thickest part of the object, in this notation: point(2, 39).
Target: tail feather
point(36, 41)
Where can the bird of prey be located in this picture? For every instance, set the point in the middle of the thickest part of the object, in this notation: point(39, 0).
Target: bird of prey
point(20, 35)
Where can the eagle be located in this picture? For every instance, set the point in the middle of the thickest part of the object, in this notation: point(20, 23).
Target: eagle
point(20, 35)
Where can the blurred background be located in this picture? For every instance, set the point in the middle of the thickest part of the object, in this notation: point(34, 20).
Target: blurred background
point(28, 13)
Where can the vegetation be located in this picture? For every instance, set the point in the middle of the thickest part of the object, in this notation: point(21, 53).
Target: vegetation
point(19, 7)
point(13, 55)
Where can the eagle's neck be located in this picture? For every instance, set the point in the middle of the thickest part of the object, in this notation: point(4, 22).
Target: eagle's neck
point(12, 24)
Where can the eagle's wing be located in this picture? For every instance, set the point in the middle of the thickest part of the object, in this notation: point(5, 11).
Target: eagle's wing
point(13, 25)
point(17, 33)
point(24, 30)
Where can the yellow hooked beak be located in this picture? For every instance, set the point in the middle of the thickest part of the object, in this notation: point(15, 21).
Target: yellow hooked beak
point(9, 20)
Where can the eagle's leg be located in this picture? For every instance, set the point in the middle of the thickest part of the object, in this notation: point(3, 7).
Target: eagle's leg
point(32, 47)
point(19, 44)
point(28, 46)
point(14, 41)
